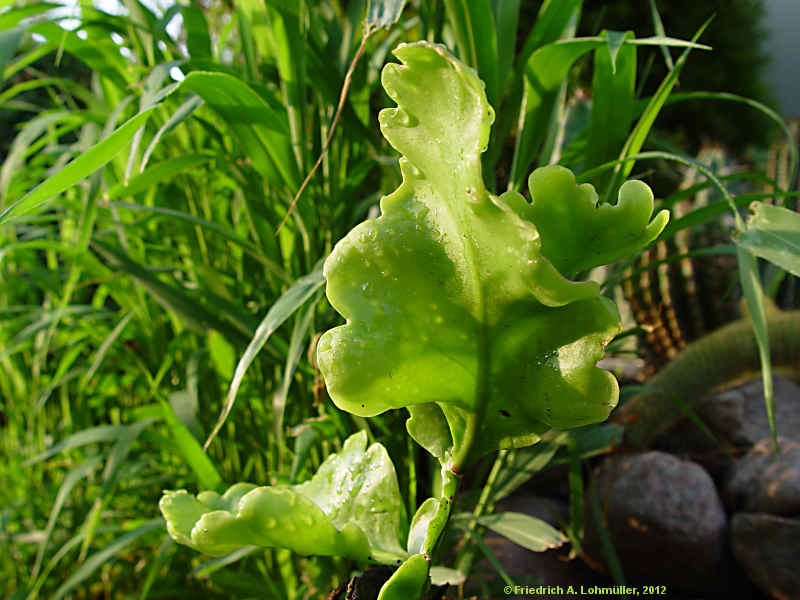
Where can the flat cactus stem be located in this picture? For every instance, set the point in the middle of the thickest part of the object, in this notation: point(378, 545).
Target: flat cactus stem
point(717, 361)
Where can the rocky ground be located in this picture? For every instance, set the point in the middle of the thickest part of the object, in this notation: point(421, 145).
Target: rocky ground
point(707, 518)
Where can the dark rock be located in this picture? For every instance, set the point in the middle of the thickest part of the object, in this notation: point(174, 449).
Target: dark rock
point(738, 419)
point(753, 425)
point(765, 482)
point(665, 519)
point(768, 548)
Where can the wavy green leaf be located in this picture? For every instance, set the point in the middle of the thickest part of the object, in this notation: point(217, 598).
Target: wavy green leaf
point(352, 508)
point(577, 234)
point(450, 297)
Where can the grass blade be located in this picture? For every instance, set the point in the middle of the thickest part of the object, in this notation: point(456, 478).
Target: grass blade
point(262, 130)
point(506, 18)
point(69, 482)
point(101, 433)
point(105, 346)
point(544, 74)
point(384, 13)
point(172, 298)
point(613, 86)
point(301, 327)
point(207, 475)
point(148, 178)
point(103, 556)
point(9, 40)
point(612, 558)
point(762, 108)
point(473, 24)
point(524, 530)
point(640, 132)
point(80, 168)
point(179, 116)
point(286, 305)
point(773, 233)
point(658, 25)
point(754, 296)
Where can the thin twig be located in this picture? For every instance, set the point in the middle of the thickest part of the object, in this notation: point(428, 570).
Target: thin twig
point(369, 29)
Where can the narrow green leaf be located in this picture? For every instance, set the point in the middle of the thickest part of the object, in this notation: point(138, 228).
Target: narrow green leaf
point(9, 40)
point(208, 567)
point(25, 144)
point(95, 49)
point(198, 41)
point(69, 482)
point(223, 231)
point(529, 532)
point(506, 19)
point(615, 41)
point(185, 406)
point(642, 129)
point(664, 41)
point(179, 116)
point(262, 130)
point(105, 346)
point(301, 327)
point(202, 466)
point(28, 58)
point(701, 215)
point(525, 463)
point(384, 13)
point(794, 159)
point(83, 166)
point(773, 233)
point(222, 354)
point(305, 438)
point(756, 310)
point(544, 73)
point(576, 498)
point(551, 23)
point(613, 88)
point(101, 433)
point(120, 450)
point(173, 298)
point(149, 178)
point(100, 558)
point(287, 304)
point(490, 556)
point(473, 24)
point(658, 25)
point(606, 543)
point(11, 18)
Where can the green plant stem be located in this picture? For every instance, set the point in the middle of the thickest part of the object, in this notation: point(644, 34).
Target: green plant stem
point(466, 555)
point(452, 469)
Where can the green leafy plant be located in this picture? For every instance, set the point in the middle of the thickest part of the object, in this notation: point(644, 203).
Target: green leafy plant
point(462, 307)
point(161, 278)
